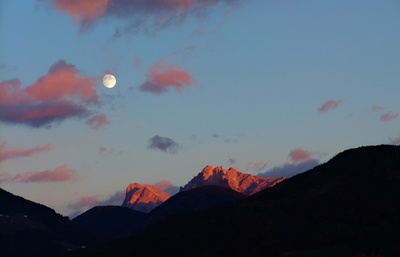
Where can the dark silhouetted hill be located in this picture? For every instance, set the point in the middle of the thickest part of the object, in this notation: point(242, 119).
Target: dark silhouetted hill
point(31, 229)
point(194, 200)
point(113, 221)
point(349, 206)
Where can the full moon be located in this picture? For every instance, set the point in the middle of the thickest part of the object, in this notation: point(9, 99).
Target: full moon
point(109, 81)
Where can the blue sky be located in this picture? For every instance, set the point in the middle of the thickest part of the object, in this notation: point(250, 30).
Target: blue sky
point(257, 85)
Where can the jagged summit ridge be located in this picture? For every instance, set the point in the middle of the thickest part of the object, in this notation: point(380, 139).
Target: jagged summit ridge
point(143, 198)
point(231, 178)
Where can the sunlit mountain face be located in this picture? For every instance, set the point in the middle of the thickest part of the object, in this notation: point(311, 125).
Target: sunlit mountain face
point(231, 178)
point(143, 198)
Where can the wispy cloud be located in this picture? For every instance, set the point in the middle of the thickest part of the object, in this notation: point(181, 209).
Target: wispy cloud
point(162, 76)
point(167, 187)
point(59, 174)
point(98, 121)
point(164, 144)
point(290, 169)
point(299, 155)
point(257, 166)
point(300, 160)
point(231, 161)
point(137, 15)
point(376, 107)
point(60, 94)
point(388, 116)
point(329, 105)
point(6, 154)
point(395, 141)
point(86, 202)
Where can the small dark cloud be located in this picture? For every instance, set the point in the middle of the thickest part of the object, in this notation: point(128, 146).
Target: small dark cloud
point(291, 169)
point(329, 105)
point(231, 161)
point(164, 144)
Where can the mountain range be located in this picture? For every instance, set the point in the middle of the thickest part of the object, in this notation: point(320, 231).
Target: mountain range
point(349, 206)
point(145, 198)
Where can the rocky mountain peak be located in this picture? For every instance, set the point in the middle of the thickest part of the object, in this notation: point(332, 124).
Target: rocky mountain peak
point(143, 198)
point(230, 178)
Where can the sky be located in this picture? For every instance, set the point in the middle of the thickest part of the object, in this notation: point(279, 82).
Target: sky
point(268, 87)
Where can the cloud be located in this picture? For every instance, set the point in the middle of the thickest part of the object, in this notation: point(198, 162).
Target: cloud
point(395, 141)
point(137, 15)
point(376, 107)
point(6, 154)
point(329, 105)
point(86, 202)
point(299, 155)
point(161, 76)
point(81, 11)
point(60, 94)
point(59, 174)
point(137, 62)
point(102, 149)
point(98, 121)
point(290, 169)
point(167, 187)
point(231, 161)
point(388, 116)
point(256, 166)
point(164, 144)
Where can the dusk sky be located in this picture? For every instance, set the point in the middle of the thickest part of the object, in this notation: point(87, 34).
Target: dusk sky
point(264, 86)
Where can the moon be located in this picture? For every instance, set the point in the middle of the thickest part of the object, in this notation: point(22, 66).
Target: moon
point(109, 81)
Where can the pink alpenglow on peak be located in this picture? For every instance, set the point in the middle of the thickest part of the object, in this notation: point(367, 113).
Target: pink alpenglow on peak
point(144, 198)
point(230, 178)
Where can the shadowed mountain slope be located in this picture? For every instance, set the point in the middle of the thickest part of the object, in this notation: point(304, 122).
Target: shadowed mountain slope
point(113, 221)
point(32, 229)
point(194, 200)
point(349, 206)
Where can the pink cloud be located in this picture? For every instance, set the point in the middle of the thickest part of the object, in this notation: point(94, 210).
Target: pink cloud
point(58, 95)
point(86, 202)
point(81, 11)
point(375, 108)
point(388, 116)
point(161, 76)
point(139, 14)
point(59, 174)
point(395, 141)
point(256, 166)
point(163, 184)
point(6, 154)
point(329, 105)
point(167, 187)
point(98, 121)
point(102, 149)
point(299, 155)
